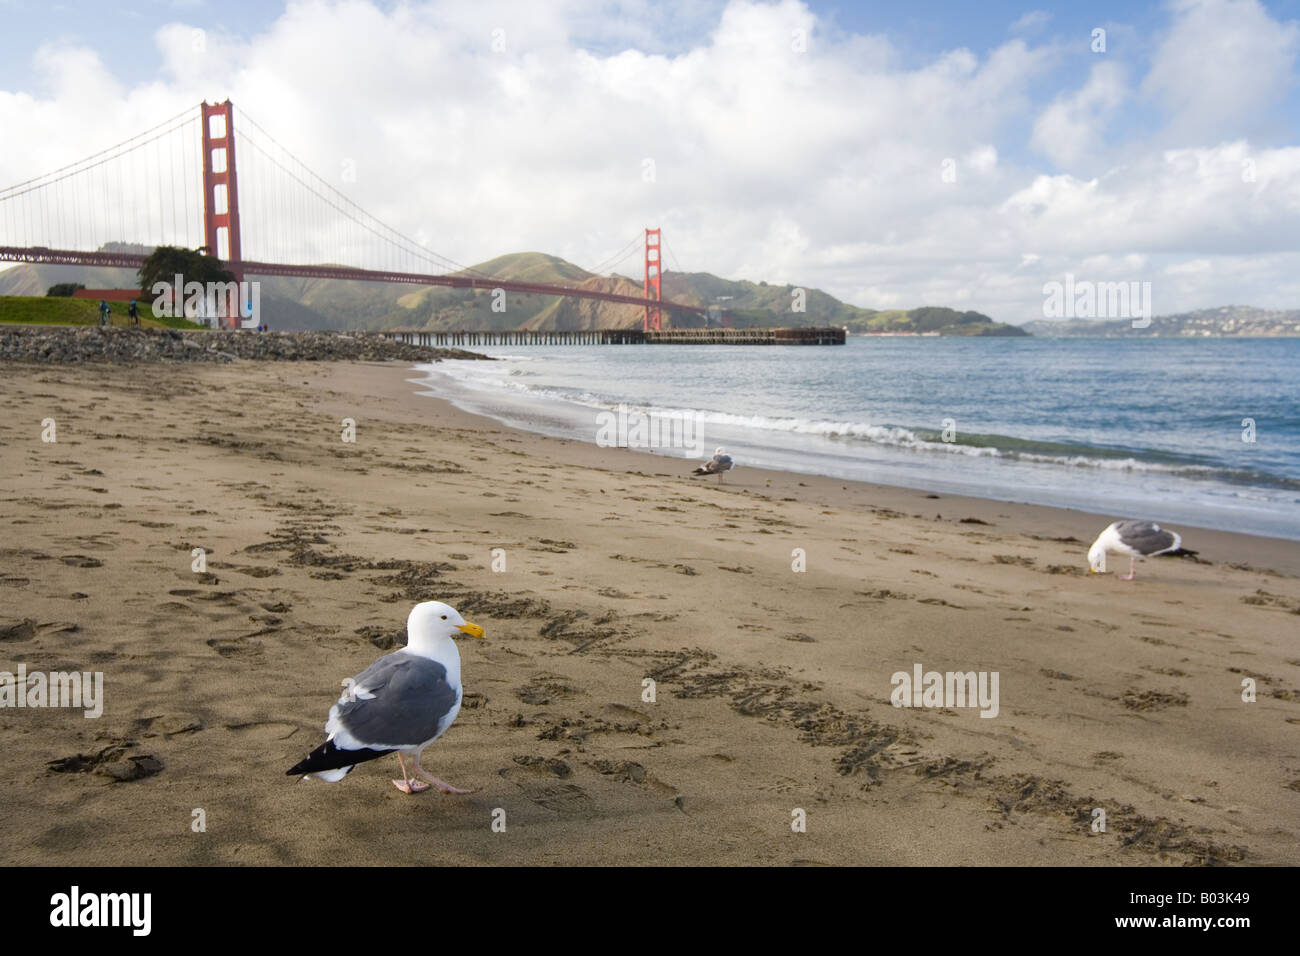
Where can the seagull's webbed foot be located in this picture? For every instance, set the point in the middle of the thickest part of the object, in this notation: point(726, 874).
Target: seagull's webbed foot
point(406, 784)
point(440, 784)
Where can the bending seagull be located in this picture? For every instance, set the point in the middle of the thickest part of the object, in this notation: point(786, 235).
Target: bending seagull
point(1137, 539)
point(716, 465)
point(399, 704)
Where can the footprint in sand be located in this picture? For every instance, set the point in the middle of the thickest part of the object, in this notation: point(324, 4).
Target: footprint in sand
point(265, 731)
point(1152, 700)
point(240, 646)
point(541, 690)
point(537, 782)
point(28, 629)
point(113, 761)
point(629, 771)
point(552, 765)
point(167, 725)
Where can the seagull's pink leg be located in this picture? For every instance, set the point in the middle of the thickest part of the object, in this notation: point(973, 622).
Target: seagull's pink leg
point(1132, 566)
point(440, 784)
point(406, 784)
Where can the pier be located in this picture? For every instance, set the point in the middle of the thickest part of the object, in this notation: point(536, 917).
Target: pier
point(510, 337)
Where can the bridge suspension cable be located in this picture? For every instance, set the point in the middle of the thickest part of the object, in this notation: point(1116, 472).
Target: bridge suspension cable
point(286, 215)
point(113, 196)
point(677, 266)
point(607, 266)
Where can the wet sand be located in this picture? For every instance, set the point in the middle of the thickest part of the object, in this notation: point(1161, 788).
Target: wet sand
point(772, 687)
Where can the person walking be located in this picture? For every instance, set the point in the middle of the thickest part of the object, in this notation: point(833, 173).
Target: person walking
point(134, 313)
point(104, 311)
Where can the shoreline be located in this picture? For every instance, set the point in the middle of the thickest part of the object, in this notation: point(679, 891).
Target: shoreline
point(1282, 554)
point(1224, 489)
point(592, 572)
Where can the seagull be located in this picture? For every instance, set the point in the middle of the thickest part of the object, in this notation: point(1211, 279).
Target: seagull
point(399, 704)
point(716, 465)
point(1137, 539)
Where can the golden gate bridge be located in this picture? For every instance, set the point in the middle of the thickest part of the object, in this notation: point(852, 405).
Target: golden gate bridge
point(148, 191)
point(178, 184)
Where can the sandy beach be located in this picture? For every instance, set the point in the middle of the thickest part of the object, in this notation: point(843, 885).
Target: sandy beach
point(771, 686)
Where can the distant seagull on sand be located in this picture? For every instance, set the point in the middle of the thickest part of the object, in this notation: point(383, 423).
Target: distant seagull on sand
point(1137, 539)
point(716, 465)
point(399, 704)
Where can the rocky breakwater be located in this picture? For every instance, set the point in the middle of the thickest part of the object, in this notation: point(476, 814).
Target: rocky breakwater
point(70, 345)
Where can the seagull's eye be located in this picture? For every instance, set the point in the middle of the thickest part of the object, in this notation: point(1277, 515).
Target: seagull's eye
point(444, 617)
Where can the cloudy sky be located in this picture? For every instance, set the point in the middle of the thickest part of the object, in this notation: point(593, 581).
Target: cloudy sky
point(919, 154)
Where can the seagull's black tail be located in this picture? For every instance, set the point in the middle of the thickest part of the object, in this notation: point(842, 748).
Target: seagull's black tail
point(1181, 553)
point(329, 757)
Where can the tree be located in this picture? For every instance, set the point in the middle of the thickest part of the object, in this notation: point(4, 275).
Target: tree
point(193, 265)
point(64, 289)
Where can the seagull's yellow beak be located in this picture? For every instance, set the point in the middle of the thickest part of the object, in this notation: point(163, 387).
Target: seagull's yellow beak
point(473, 630)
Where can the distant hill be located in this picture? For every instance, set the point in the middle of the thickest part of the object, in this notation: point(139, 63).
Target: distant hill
point(1225, 321)
point(293, 303)
point(932, 319)
point(26, 279)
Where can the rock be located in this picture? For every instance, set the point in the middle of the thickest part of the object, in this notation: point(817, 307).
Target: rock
point(71, 345)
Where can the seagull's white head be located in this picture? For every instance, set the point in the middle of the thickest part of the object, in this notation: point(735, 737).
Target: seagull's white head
point(1097, 557)
point(431, 622)
point(718, 450)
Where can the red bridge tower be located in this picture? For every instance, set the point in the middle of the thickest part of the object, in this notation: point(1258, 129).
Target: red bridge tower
point(652, 276)
point(221, 194)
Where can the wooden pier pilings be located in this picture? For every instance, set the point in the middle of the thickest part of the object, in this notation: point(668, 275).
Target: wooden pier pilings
point(469, 339)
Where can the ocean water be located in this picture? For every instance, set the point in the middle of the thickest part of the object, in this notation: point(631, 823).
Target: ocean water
point(1148, 428)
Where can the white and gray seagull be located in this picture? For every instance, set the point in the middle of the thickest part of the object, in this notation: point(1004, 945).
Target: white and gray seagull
point(1137, 539)
point(716, 465)
point(399, 704)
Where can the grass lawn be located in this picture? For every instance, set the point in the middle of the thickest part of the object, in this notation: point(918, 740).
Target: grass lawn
point(47, 310)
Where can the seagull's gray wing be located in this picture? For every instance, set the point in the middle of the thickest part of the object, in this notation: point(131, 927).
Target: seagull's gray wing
point(401, 700)
point(1146, 537)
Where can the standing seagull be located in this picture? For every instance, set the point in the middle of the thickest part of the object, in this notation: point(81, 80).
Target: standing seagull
point(401, 703)
point(716, 465)
point(1137, 539)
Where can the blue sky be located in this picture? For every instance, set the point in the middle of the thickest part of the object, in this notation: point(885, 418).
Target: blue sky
point(817, 168)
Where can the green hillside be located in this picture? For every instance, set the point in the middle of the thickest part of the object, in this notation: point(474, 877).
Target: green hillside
point(932, 319)
point(296, 303)
point(531, 267)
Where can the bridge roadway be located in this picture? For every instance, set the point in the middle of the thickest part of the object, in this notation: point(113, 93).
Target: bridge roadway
point(708, 336)
point(133, 260)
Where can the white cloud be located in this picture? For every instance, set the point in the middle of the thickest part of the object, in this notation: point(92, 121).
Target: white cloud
point(1073, 127)
point(1031, 20)
point(821, 167)
point(1222, 68)
point(1190, 267)
point(982, 159)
